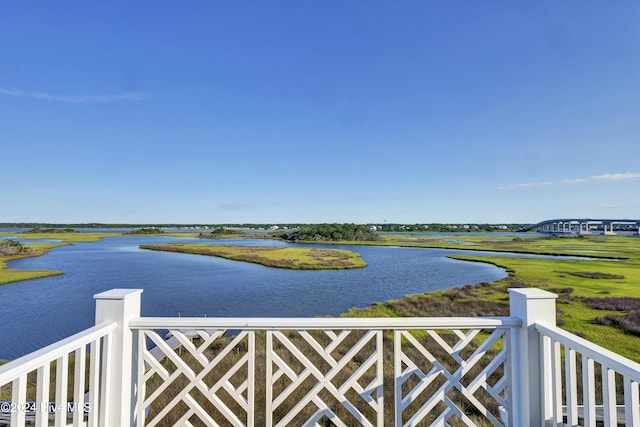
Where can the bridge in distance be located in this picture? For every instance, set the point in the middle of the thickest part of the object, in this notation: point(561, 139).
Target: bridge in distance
point(586, 226)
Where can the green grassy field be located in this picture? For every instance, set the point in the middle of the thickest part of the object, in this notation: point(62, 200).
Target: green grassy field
point(290, 258)
point(615, 275)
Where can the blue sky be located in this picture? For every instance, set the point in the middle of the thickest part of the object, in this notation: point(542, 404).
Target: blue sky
point(319, 111)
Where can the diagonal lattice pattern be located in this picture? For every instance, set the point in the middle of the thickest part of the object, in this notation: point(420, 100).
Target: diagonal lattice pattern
point(310, 376)
point(445, 378)
point(201, 377)
point(318, 376)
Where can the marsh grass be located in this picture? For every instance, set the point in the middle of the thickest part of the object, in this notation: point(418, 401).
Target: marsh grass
point(64, 237)
point(270, 256)
point(10, 275)
point(481, 300)
point(596, 275)
point(615, 304)
point(629, 321)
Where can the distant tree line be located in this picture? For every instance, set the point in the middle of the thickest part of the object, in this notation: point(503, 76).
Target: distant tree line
point(385, 227)
point(151, 230)
point(49, 230)
point(219, 232)
point(224, 231)
point(329, 232)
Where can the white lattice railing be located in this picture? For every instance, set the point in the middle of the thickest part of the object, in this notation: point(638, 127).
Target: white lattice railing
point(77, 376)
point(311, 371)
point(495, 390)
point(329, 371)
point(586, 384)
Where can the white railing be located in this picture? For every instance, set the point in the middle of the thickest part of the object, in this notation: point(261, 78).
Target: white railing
point(575, 394)
point(339, 371)
point(316, 370)
point(25, 398)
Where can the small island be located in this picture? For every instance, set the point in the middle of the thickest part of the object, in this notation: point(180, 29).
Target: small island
point(38, 230)
point(271, 256)
point(149, 230)
point(329, 233)
point(225, 233)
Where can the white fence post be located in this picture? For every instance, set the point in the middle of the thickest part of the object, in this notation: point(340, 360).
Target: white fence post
point(528, 380)
point(118, 305)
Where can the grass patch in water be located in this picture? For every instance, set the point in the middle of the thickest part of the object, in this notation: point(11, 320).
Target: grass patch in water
point(65, 237)
point(279, 257)
point(10, 275)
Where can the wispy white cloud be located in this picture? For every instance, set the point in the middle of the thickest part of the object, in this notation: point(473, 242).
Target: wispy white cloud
point(607, 177)
point(75, 99)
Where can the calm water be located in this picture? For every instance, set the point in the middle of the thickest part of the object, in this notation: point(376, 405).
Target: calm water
point(38, 312)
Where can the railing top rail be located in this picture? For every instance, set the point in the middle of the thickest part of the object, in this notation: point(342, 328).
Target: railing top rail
point(31, 361)
point(284, 323)
point(605, 357)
